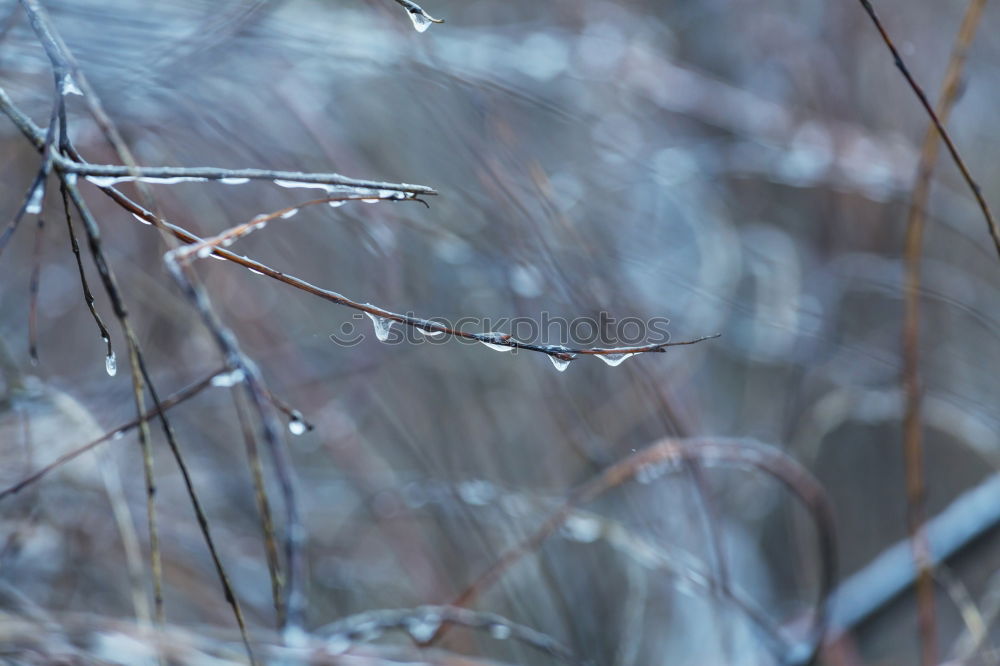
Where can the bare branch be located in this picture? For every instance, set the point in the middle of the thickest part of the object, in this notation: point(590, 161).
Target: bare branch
point(977, 191)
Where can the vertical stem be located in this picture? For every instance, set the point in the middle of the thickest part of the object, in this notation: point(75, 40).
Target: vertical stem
point(913, 452)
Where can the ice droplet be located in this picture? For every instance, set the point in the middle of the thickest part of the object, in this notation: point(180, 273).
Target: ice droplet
point(423, 629)
point(336, 204)
point(69, 87)
point(289, 213)
point(299, 184)
point(297, 426)
point(204, 251)
point(107, 181)
point(614, 360)
point(501, 632)
point(429, 334)
point(234, 181)
point(171, 180)
point(227, 379)
point(392, 195)
point(142, 219)
point(111, 364)
point(370, 200)
point(497, 337)
point(34, 206)
point(583, 529)
point(382, 326)
point(560, 363)
point(255, 272)
point(421, 19)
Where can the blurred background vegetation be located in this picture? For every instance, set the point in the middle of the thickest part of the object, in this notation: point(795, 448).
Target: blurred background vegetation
point(737, 167)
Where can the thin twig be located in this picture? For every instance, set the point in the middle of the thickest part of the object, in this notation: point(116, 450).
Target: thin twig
point(88, 296)
point(33, 287)
point(263, 510)
point(155, 557)
point(415, 10)
point(991, 222)
point(169, 402)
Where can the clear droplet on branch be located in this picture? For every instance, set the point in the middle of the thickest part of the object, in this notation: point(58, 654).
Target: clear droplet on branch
point(382, 326)
point(297, 426)
point(421, 19)
point(227, 379)
point(171, 180)
point(292, 184)
point(289, 213)
point(560, 363)
point(497, 338)
point(34, 206)
point(429, 334)
point(69, 87)
point(614, 360)
point(234, 181)
point(107, 181)
point(111, 364)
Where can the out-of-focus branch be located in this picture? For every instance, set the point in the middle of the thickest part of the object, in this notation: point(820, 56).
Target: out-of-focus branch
point(913, 452)
point(663, 457)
